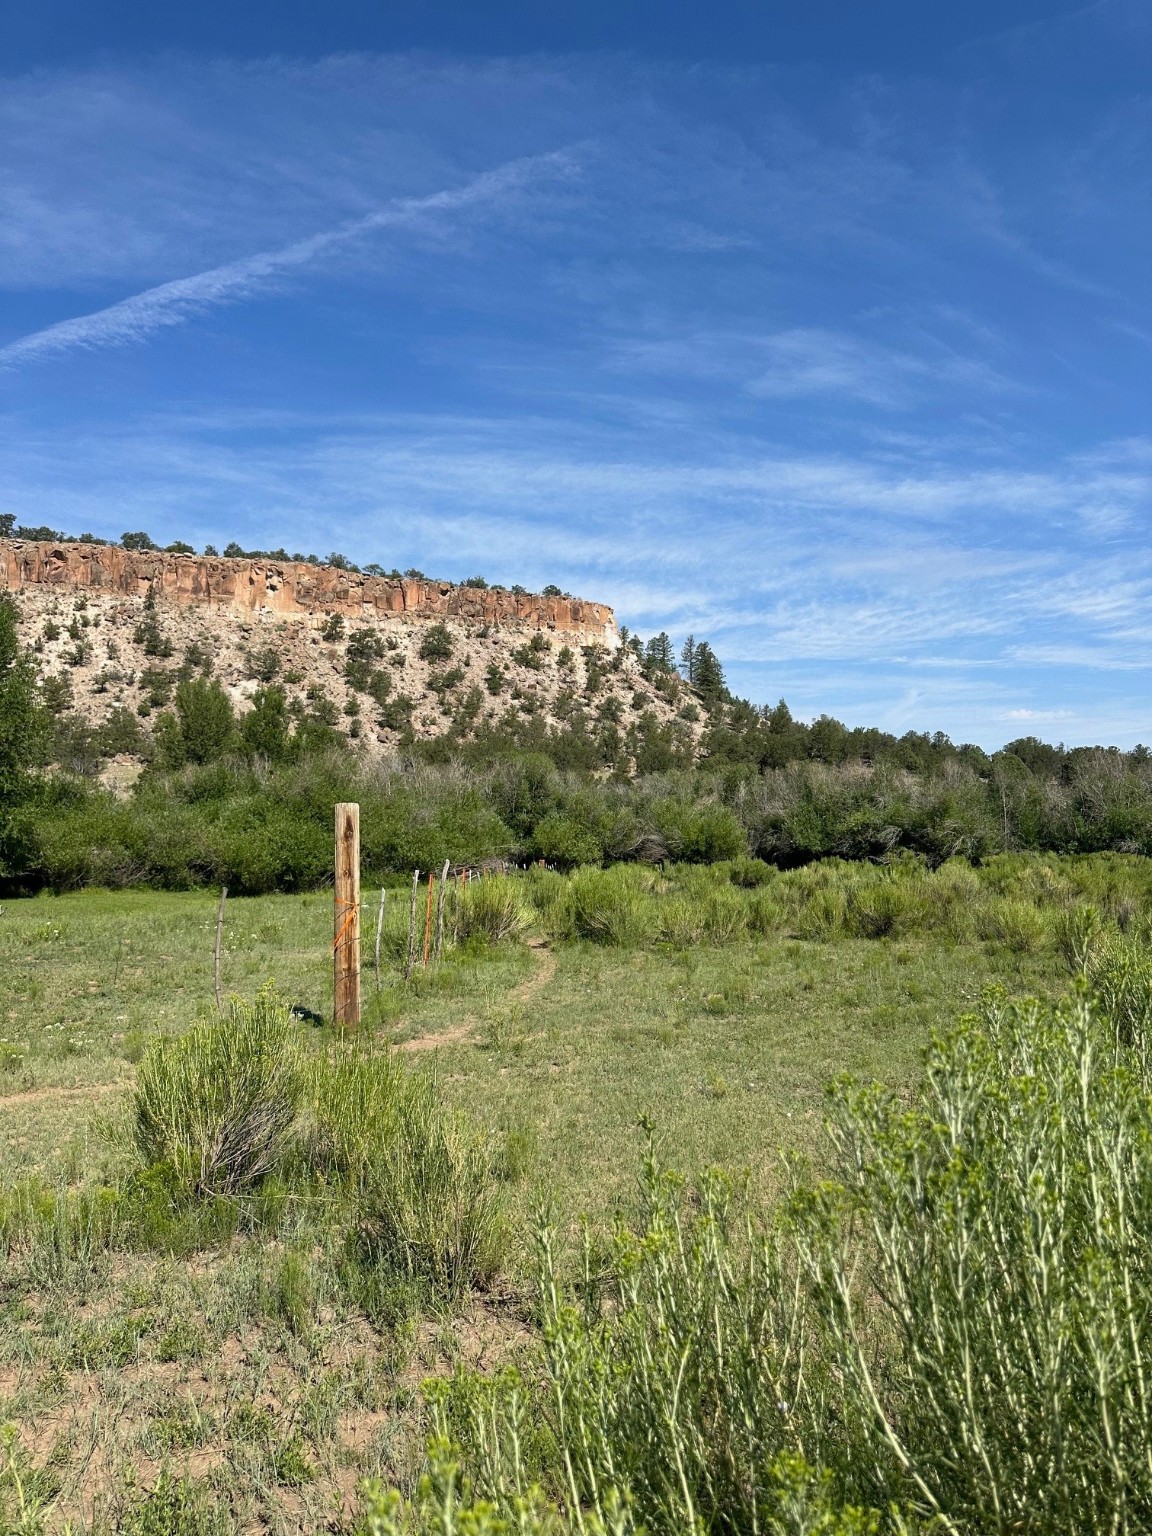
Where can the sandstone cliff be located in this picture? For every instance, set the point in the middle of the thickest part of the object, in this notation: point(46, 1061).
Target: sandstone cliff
point(288, 590)
point(114, 632)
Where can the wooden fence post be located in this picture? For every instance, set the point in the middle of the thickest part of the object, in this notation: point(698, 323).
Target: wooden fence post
point(219, 944)
point(379, 934)
point(440, 911)
point(428, 918)
point(412, 925)
point(346, 919)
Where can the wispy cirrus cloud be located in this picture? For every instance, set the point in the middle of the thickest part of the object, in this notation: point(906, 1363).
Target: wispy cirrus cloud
point(815, 362)
point(810, 363)
point(175, 303)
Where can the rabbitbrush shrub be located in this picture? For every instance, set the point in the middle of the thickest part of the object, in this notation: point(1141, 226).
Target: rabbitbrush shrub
point(1118, 968)
point(955, 1333)
point(671, 1397)
point(883, 910)
point(430, 1207)
point(490, 910)
point(216, 1106)
point(354, 1105)
point(991, 1281)
point(613, 906)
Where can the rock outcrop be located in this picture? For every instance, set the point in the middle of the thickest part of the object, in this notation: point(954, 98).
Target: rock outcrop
point(116, 631)
point(289, 589)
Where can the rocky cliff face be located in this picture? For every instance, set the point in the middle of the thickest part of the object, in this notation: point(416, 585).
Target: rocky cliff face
point(287, 590)
point(115, 632)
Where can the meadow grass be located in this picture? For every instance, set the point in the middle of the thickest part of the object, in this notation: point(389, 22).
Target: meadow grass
point(727, 1047)
point(176, 1344)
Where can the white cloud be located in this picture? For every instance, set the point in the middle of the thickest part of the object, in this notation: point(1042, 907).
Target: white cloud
point(1038, 716)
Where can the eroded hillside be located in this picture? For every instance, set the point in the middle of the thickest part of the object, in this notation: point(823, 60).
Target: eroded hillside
point(384, 660)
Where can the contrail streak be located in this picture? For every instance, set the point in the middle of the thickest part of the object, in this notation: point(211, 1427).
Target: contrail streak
point(173, 303)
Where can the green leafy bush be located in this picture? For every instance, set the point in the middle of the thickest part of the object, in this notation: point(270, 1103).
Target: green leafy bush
point(563, 840)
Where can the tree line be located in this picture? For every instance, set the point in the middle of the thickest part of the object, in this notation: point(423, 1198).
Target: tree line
point(249, 796)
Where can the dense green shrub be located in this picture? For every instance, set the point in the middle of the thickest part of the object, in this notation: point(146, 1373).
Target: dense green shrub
point(699, 833)
point(436, 644)
point(490, 910)
point(222, 1108)
point(613, 906)
point(352, 1103)
point(1118, 967)
point(681, 922)
point(1017, 924)
point(562, 840)
point(883, 910)
point(260, 822)
point(430, 1207)
point(260, 846)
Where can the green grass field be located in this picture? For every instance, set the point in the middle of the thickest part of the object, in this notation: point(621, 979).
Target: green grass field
point(726, 1049)
point(248, 1365)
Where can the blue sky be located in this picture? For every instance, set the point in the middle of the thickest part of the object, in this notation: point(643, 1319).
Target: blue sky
point(822, 332)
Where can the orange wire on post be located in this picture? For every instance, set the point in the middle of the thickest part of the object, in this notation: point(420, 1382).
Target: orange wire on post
point(428, 920)
point(351, 908)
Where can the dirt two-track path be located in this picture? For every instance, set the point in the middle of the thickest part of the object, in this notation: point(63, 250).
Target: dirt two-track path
point(459, 1034)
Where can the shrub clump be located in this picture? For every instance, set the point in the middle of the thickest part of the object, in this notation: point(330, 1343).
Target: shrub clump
point(216, 1106)
point(231, 1103)
point(613, 906)
point(490, 911)
point(430, 1207)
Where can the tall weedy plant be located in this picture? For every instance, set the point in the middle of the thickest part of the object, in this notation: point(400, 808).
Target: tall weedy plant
point(217, 1105)
point(989, 1283)
point(957, 1332)
point(689, 1377)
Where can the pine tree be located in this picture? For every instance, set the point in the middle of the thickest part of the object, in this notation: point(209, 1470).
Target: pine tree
point(708, 675)
point(659, 655)
point(688, 659)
